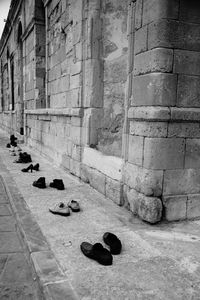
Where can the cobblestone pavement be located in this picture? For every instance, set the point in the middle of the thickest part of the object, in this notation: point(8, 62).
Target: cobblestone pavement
point(17, 280)
point(157, 261)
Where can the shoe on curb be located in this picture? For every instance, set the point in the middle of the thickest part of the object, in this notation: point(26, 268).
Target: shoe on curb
point(60, 209)
point(58, 184)
point(40, 183)
point(113, 242)
point(74, 205)
point(97, 252)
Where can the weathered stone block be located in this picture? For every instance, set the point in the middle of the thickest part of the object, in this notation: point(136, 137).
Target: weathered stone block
point(131, 196)
point(148, 129)
point(148, 182)
point(113, 190)
point(141, 40)
point(135, 150)
point(190, 11)
point(150, 209)
point(75, 81)
point(155, 60)
point(156, 9)
point(188, 93)
point(174, 207)
point(193, 206)
point(185, 114)
point(192, 154)
point(187, 130)
point(154, 89)
point(181, 182)
point(76, 152)
point(95, 178)
point(149, 113)
point(187, 62)
point(75, 167)
point(174, 34)
point(164, 153)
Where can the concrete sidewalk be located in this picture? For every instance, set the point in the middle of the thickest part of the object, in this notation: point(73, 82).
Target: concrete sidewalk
point(157, 262)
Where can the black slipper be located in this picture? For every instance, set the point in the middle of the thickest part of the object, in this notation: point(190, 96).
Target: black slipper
point(113, 242)
point(97, 252)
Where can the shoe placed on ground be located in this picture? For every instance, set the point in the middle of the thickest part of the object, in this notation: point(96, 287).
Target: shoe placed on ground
point(29, 168)
point(113, 242)
point(60, 209)
point(58, 184)
point(97, 252)
point(74, 205)
point(40, 183)
point(36, 167)
point(12, 138)
point(8, 145)
point(24, 158)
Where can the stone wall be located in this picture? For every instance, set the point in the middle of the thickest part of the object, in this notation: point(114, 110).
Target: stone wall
point(163, 141)
point(111, 93)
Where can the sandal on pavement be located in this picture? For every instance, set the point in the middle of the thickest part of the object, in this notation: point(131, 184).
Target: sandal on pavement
point(60, 209)
point(74, 205)
point(113, 242)
point(97, 252)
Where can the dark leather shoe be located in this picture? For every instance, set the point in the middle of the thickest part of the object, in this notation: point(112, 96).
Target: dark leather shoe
point(113, 242)
point(97, 252)
point(29, 168)
point(36, 167)
point(58, 184)
point(40, 183)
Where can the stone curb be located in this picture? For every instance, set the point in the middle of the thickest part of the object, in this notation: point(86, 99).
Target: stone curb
point(53, 283)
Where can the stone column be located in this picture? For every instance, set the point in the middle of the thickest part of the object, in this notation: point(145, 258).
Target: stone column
point(162, 168)
point(92, 72)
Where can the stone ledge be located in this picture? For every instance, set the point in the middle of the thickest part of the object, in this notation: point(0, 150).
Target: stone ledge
point(77, 112)
point(156, 113)
point(159, 113)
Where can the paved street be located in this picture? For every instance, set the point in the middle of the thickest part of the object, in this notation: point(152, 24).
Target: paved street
point(157, 262)
point(16, 276)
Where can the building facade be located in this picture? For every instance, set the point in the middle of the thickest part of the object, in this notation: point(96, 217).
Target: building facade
point(110, 90)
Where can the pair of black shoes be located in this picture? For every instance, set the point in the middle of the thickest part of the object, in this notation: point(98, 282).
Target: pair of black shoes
point(31, 168)
point(24, 157)
point(12, 141)
point(41, 184)
point(101, 254)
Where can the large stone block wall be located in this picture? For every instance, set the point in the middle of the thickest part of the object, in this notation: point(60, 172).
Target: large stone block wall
point(111, 93)
point(163, 140)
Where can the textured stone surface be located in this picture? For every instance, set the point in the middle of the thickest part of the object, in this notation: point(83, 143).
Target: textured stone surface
point(113, 190)
point(150, 209)
point(148, 182)
point(193, 206)
point(156, 60)
point(174, 34)
point(135, 150)
point(174, 207)
point(154, 9)
point(187, 130)
point(179, 182)
point(192, 158)
point(188, 91)
point(149, 113)
point(154, 89)
point(164, 153)
point(149, 129)
point(187, 62)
